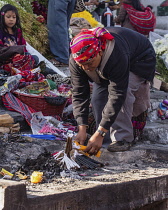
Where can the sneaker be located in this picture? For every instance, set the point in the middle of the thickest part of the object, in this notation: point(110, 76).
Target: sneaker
point(119, 146)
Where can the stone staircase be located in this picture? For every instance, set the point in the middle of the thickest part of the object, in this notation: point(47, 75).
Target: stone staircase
point(156, 130)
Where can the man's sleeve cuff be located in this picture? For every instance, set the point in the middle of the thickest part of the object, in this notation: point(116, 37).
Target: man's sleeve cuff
point(82, 121)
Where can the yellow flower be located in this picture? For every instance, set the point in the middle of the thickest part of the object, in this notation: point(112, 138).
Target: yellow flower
point(86, 15)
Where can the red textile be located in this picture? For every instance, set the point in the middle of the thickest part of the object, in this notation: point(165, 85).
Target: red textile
point(14, 104)
point(142, 21)
point(20, 62)
point(87, 44)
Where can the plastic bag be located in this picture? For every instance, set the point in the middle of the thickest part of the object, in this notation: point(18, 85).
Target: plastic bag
point(153, 37)
point(11, 84)
point(37, 122)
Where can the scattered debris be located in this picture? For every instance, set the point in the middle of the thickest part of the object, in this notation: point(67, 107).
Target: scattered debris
point(74, 158)
point(43, 163)
point(21, 175)
point(7, 124)
point(6, 174)
point(36, 177)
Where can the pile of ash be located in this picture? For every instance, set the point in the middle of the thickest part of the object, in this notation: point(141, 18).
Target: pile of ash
point(18, 153)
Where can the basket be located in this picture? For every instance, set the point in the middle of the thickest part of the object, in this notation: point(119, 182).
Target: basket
point(39, 103)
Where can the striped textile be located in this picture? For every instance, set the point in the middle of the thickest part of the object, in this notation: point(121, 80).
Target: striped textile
point(139, 123)
point(20, 62)
point(14, 104)
point(142, 21)
point(87, 44)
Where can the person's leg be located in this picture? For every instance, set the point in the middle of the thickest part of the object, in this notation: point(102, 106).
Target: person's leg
point(71, 6)
point(58, 18)
point(122, 129)
point(96, 16)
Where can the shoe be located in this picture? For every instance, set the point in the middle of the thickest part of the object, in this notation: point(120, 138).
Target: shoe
point(42, 66)
point(119, 146)
point(57, 63)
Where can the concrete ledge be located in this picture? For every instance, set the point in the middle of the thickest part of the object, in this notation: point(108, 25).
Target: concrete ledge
point(12, 195)
point(124, 196)
point(115, 196)
point(139, 151)
point(156, 132)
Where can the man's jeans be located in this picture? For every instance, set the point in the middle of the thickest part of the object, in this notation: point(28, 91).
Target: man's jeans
point(58, 19)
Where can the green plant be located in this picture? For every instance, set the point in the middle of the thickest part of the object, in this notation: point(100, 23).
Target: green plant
point(26, 4)
point(43, 2)
point(161, 69)
point(161, 49)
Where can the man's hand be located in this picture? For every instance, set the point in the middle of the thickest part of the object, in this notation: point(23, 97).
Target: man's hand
point(94, 144)
point(81, 135)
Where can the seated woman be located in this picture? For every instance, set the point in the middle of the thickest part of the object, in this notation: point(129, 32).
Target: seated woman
point(11, 37)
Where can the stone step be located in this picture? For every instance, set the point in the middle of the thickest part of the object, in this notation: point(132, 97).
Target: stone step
point(142, 150)
point(156, 132)
point(130, 195)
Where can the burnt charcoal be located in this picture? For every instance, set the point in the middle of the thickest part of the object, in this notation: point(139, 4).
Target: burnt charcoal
point(44, 162)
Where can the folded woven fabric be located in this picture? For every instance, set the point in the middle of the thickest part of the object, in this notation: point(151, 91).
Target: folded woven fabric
point(58, 79)
point(14, 104)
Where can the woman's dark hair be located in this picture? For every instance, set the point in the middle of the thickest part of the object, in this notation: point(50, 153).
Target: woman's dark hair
point(150, 6)
point(137, 5)
point(4, 9)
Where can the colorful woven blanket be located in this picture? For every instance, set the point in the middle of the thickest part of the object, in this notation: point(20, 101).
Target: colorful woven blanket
point(142, 21)
point(14, 104)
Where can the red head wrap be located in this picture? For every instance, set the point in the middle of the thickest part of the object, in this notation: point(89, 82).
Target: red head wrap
point(87, 44)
